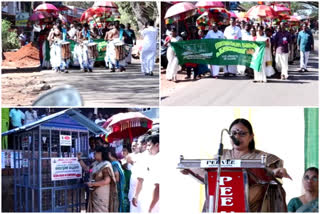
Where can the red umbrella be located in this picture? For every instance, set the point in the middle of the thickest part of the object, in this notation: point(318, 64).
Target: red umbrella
point(50, 8)
point(261, 11)
point(204, 6)
point(293, 19)
point(86, 15)
point(209, 4)
point(39, 15)
point(280, 8)
point(94, 12)
point(105, 4)
point(181, 9)
point(232, 14)
point(127, 125)
point(104, 10)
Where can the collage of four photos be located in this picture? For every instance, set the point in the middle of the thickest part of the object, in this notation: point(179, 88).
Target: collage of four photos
point(85, 84)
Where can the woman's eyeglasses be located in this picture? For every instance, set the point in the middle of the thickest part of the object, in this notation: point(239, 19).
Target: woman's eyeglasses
point(240, 133)
point(307, 178)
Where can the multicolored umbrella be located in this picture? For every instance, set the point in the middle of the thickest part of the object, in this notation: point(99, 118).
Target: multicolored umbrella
point(232, 14)
point(39, 15)
point(87, 15)
point(220, 16)
point(108, 4)
point(127, 125)
point(203, 22)
point(261, 11)
point(179, 12)
point(50, 8)
point(99, 13)
point(293, 19)
point(209, 4)
point(204, 6)
point(280, 8)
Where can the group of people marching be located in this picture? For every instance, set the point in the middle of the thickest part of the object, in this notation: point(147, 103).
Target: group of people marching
point(283, 42)
point(55, 50)
point(126, 182)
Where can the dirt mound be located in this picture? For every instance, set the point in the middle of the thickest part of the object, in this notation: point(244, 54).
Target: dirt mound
point(27, 56)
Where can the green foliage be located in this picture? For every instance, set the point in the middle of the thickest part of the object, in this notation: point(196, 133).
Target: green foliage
point(81, 4)
point(305, 8)
point(138, 13)
point(9, 38)
point(248, 5)
point(127, 15)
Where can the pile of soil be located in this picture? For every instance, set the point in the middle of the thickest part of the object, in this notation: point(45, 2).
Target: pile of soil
point(27, 56)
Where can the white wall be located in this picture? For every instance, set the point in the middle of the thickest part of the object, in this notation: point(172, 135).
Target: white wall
point(195, 133)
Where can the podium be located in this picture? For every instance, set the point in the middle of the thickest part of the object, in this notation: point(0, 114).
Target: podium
point(235, 177)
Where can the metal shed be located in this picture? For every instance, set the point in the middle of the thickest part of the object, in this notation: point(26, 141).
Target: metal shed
point(35, 145)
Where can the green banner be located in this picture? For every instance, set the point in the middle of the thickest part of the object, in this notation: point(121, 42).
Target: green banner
point(220, 52)
point(311, 137)
point(101, 46)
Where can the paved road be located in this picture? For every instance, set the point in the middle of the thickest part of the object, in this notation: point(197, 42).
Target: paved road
point(99, 88)
point(301, 89)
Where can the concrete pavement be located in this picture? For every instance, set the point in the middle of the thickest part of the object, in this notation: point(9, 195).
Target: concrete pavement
point(103, 88)
point(99, 88)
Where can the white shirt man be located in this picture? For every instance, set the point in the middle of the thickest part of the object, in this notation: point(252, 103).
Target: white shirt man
point(147, 189)
point(245, 34)
point(30, 116)
point(232, 32)
point(100, 120)
point(72, 32)
point(149, 49)
point(214, 34)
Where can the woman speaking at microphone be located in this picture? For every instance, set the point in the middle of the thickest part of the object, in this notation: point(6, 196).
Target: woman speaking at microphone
point(262, 197)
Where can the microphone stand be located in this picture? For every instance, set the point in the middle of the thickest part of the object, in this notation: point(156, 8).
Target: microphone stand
point(220, 151)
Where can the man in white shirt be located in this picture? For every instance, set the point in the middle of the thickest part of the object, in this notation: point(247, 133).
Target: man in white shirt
point(137, 161)
point(232, 32)
point(149, 48)
point(72, 32)
point(31, 116)
point(22, 38)
point(100, 120)
point(149, 179)
point(214, 34)
point(245, 31)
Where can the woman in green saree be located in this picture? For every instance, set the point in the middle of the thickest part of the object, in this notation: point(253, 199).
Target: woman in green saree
point(119, 175)
point(308, 202)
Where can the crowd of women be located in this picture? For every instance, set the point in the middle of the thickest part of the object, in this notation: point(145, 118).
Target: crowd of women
point(126, 182)
point(55, 47)
point(283, 44)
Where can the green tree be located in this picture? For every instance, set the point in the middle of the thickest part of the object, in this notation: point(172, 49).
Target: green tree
point(9, 38)
point(248, 5)
point(80, 4)
point(138, 13)
point(305, 8)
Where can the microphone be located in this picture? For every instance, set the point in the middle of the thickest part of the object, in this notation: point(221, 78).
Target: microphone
point(234, 139)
